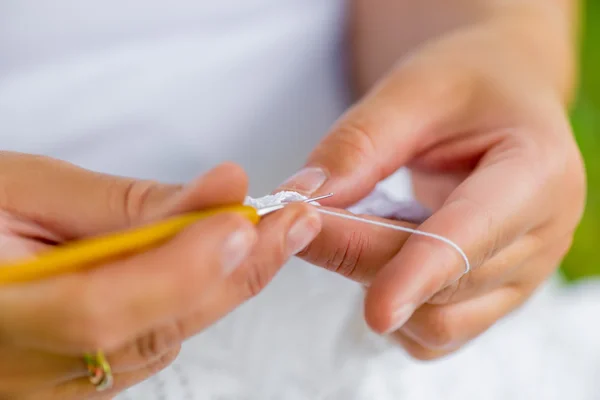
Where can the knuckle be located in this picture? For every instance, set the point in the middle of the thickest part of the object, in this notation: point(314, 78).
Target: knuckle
point(487, 222)
point(440, 331)
point(308, 252)
point(158, 342)
point(164, 361)
point(255, 278)
point(451, 293)
point(346, 260)
point(446, 295)
point(133, 199)
point(316, 254)
point(260, 269)
point(355, 139)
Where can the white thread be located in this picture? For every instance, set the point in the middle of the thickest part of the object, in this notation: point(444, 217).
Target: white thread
point(288, 196)
point(404, 229)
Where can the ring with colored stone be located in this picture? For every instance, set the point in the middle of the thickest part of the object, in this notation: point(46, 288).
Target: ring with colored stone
point(99, 371)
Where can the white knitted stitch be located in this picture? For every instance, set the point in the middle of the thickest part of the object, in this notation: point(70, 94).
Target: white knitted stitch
point(274, 199)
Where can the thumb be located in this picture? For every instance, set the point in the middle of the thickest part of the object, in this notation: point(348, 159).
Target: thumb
point(381, 133)
point(74, 202)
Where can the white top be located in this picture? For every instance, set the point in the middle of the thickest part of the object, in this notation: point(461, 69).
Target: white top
point(166, 90)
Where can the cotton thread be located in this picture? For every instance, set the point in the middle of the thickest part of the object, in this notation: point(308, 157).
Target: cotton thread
point(404, 229)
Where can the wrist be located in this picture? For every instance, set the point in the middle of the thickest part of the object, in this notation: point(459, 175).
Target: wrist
point(542, 37)
point(384, 32)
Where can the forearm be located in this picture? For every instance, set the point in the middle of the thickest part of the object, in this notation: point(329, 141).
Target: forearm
point(540, 34)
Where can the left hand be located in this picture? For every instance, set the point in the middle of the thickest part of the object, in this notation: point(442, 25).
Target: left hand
point(488, 142)
point(140, 307)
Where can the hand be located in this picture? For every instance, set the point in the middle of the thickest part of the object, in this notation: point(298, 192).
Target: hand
point(137, 309)
point(490, 149)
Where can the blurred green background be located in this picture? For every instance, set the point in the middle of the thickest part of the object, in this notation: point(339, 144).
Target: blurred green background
point(584, 257)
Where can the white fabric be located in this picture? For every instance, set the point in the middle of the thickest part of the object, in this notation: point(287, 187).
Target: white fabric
point(276, 199)
point(166, 90)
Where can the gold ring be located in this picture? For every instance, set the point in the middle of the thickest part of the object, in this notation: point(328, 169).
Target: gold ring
point(99, 371)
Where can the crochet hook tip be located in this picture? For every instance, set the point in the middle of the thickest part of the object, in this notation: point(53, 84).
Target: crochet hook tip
point(268, 210)
point(325, 196)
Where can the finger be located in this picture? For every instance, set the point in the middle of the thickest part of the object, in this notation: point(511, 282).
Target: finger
point(497, 271)
point(223, 185)
point(281, 236)
point(274, 247)
point(439, 329)
point(272, 250)
point(148, 347)
point(436, 330)
point(105, 307)
point(528, 261)
point(479, 217)
point(78, 202)
point(25, 370)
point(354, 249)
point(385, 130)
point(82, 389)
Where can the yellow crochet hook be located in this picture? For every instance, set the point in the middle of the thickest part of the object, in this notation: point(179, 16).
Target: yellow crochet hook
point(85, 253)
point(82, 253)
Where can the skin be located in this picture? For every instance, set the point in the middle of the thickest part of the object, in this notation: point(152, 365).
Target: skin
point(140, 308)
point(471, 95)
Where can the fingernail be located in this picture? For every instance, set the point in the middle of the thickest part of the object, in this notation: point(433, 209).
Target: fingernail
point(306, 181)
point(303, 232)
point(236, 249)
point(400, 316)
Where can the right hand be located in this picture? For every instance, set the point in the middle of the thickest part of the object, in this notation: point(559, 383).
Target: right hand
point(138, 309)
